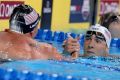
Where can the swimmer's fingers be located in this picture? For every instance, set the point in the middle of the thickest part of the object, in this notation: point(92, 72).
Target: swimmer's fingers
point(71, 49)
point(70, 42)
point(72, 45)
point(75, 55)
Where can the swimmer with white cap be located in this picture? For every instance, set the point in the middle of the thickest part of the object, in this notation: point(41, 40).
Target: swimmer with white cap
point(97, 41)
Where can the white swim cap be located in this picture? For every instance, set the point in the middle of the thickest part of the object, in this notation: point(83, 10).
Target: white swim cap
point(104, 31)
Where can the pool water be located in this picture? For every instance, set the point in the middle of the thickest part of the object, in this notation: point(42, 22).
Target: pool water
point(81, 69)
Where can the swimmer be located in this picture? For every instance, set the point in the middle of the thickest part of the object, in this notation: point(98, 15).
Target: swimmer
point(17, 42)
point(97, 42)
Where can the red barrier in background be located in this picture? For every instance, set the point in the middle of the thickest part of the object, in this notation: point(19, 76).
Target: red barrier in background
point(6, 8)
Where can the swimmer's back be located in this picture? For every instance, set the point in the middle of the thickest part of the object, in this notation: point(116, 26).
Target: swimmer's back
point(15, 45)
point(19, 46)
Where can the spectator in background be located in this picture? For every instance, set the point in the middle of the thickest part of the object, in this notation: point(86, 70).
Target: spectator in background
point(112, 22)
point(17, 42)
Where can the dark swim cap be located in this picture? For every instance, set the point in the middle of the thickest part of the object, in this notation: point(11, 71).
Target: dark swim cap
point(23, 19)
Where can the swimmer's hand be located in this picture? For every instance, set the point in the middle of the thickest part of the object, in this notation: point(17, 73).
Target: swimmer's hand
point(72, 47)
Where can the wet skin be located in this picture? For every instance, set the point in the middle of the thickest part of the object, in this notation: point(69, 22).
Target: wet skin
point(95, 47)
point(17, 46)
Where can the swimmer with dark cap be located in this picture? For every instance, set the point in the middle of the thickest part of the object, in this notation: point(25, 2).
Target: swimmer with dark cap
point(17, 42)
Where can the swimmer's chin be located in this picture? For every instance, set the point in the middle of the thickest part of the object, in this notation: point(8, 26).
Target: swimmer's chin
point(89, 53)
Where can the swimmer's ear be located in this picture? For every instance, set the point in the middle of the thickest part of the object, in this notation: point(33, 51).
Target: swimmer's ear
point(31, 34)
point(107, 51)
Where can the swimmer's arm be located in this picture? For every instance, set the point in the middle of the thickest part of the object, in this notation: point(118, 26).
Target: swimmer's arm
point(71, 47)
point(49, 50)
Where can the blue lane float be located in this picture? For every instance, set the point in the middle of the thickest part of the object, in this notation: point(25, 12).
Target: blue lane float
point(59, 36)
point(81, 69)
point(11, 74)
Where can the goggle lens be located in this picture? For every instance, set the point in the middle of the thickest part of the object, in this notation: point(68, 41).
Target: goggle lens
point(98, 35)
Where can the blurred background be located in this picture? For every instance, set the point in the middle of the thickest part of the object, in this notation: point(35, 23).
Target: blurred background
point(62, 15)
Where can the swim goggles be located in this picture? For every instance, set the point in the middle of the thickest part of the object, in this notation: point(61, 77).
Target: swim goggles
point(98, 35)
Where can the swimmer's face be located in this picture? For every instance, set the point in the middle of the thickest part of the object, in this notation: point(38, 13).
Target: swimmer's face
point(95, 44)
